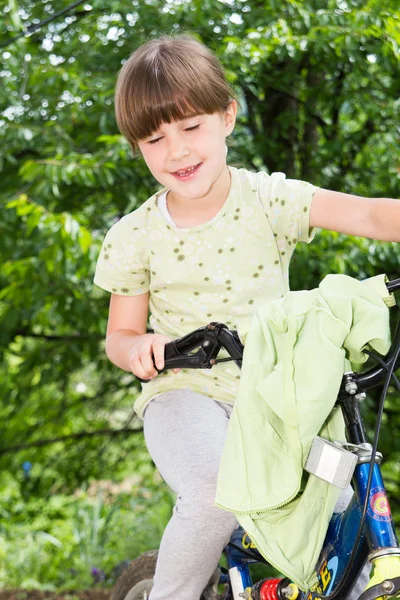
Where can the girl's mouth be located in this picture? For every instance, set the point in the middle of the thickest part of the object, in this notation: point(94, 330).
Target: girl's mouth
point(188, 174)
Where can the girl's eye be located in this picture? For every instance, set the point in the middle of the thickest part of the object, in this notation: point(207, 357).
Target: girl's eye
point(187, 129)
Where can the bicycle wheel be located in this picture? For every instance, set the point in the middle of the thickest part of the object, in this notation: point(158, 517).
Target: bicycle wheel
point(136, 580)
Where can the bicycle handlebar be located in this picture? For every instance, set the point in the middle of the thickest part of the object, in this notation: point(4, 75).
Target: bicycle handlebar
point(210, 339)
point(393, 286)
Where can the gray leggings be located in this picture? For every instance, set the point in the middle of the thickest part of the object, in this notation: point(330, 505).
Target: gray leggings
point(185, 434)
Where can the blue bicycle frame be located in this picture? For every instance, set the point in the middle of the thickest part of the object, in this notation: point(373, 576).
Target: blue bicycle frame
point(378, 536)
point(338, 542)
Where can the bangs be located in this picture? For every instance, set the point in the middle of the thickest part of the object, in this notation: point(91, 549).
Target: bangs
point(168, 83)
point(172, 105)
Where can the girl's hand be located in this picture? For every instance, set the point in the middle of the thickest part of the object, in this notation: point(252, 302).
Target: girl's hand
point(141, 355)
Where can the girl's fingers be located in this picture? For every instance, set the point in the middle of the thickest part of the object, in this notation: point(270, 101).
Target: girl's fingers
point(148, 356)
point(146, 359)
point(138, 369)
point(158, 351)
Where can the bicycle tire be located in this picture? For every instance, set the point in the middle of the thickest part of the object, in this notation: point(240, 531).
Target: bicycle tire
point(136, 581)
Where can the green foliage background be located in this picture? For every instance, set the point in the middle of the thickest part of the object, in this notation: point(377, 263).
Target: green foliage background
point(319, 91)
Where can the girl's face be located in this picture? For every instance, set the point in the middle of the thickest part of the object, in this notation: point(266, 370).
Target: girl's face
point(197, 144)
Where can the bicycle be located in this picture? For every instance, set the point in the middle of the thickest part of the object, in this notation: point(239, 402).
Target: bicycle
point(364, 531)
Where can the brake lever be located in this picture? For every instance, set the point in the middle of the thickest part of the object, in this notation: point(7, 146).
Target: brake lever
point(202, 359)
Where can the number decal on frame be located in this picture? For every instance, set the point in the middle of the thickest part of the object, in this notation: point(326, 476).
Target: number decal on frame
point(326, 576)
point(247, 543)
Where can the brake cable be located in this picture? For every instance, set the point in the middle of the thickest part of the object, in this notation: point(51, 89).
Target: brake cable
point(215, 361)
point(383, 364)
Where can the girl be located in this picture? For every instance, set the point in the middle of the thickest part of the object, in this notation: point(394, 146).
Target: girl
point(211, 245)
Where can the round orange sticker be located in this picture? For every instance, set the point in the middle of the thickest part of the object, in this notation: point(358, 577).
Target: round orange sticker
point(380, 506)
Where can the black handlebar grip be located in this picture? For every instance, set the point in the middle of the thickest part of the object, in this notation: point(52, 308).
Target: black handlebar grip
point(169, 353)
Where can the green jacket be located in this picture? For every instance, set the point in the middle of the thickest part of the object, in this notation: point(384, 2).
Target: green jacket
point(296, 352)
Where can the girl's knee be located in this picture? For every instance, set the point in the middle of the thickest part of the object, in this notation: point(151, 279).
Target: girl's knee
point(201, 490)
point(199, 504)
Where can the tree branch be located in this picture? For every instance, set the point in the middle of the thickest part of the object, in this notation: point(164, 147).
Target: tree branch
point(73, 436)
point(287, 94)
point(358, 140)
point(336, 108)
point(304, 103)
point(55, 338)
point(36, 26)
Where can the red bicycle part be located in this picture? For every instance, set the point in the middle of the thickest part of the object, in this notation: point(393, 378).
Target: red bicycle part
point(268, 590)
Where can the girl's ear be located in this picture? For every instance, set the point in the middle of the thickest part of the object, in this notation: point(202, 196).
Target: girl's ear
point(230, 117)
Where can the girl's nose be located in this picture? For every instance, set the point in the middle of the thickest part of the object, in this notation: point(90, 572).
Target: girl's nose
point(178, 149)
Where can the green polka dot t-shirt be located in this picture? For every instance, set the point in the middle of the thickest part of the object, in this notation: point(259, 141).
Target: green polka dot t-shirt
point(221, 270)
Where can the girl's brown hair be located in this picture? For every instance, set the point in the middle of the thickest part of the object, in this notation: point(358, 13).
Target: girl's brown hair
point(168, 79)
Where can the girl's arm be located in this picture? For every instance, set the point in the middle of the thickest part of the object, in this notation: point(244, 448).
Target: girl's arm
point(128, 345)
point(376, 218)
